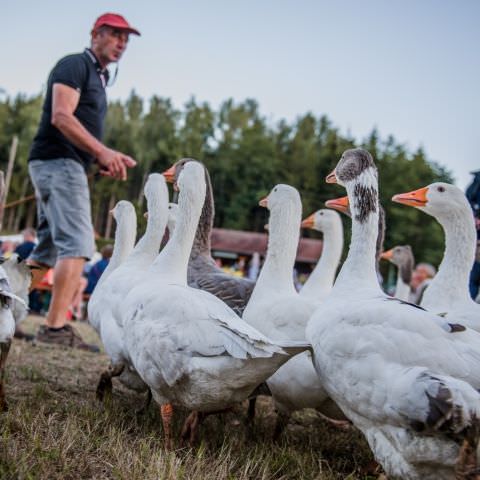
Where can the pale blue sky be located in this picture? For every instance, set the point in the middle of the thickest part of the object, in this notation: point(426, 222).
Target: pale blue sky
point(411, 68)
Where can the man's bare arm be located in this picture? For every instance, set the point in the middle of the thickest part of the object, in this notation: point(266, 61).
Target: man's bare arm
point(64, 103)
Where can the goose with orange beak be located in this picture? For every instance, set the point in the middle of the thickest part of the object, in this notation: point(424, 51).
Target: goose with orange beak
point(448, 293)
point(395, 370)
point(278, 311)
point(203, 272)
point(402, 257)
point(320, 282)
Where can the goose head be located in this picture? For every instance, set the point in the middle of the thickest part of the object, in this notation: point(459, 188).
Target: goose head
point(439, 199)
point(401, 255)
point(356, 171)
point(154, 186)
point(191, 182)
point(279, 196)
point(122, 211)
point(171, 175)
point(322, 220)
point(281, 200)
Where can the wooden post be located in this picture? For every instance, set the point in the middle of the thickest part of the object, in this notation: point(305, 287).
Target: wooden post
point(21, 206)
point(2, 197)
point(11, 161)
point(108, 228)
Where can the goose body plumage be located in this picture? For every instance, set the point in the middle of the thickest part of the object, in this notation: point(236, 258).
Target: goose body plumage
point(188, 346)
point(406, 378)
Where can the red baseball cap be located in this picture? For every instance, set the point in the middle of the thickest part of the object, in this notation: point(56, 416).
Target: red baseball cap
point(116, 21)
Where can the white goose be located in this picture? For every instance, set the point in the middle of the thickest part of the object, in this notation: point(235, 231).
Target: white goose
point(7, 327)
point(402, 257)
point(393, 368)
point(203, 272)
point(190, 348)
point(99, 307)
point(121, 281)
point(321, 280)
point(448, 294)
point(277, 310)
point(19, 278)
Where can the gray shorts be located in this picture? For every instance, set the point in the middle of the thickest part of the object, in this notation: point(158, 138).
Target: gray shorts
point(63, 208)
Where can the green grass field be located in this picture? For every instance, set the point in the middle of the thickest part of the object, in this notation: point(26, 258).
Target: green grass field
point(56, 429)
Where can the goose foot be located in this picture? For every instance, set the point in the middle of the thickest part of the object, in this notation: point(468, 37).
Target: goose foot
point(190, 428)
point(104, 387)
point(340, 424)
point(148, 400)
point(252, 402)
point(193, 422)
point(280, 424)
point(4, 349)
point(166, 412)
point(467, 467)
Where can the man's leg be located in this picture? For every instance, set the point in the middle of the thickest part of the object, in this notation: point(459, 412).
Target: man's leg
point(67, 273)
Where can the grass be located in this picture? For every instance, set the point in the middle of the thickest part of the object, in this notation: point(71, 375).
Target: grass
point(56, 429)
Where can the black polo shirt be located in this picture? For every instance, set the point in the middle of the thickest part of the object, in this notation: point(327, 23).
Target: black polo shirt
point(82, 72)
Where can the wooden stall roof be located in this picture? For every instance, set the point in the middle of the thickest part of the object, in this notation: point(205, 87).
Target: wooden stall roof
point(247, 243)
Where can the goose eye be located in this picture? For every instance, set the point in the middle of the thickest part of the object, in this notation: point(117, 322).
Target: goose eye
point(321, 213)
point(441, 189)
point(274, 189)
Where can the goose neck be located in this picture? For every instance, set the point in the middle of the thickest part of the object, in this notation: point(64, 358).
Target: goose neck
point(360, 266)
point(451, 281)
point(173, 259)
point(202, 242)
point(321, 280)
point(125, 235)
point(284, 234)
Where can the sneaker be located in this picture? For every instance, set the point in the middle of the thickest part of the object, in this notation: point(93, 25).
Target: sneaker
point(66, 336)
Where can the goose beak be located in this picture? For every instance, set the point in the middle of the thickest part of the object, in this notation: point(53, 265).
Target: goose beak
point(415, 198)
point(387, 255)
point(170, 174)
point(309, 221)
point(145, 215)
point(263, 202)
point(266, 227)
point(331, 177)
point(341, 204)
point(110, 212)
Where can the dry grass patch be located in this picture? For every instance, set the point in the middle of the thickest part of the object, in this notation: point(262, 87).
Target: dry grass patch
point(55, 429)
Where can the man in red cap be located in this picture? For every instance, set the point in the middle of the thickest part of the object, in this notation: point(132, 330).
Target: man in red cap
point(68, 141)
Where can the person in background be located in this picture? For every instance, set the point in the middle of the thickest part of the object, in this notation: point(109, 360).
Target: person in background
point(25, 248)
point(67, 143)
point(98, 268)
point(474, 283)
point(473, 196)
point(421, 277)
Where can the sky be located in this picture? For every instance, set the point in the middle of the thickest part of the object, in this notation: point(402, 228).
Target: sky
point(409, 68)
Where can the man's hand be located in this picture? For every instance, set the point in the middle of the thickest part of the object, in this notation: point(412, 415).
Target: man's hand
point(114, 164)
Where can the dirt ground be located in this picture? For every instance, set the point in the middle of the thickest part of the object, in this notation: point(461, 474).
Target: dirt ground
point(56, 429)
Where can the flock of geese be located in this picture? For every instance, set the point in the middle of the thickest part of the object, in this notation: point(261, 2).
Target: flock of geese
point(177, 327)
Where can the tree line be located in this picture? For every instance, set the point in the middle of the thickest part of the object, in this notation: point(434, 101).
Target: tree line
point(245, 154)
